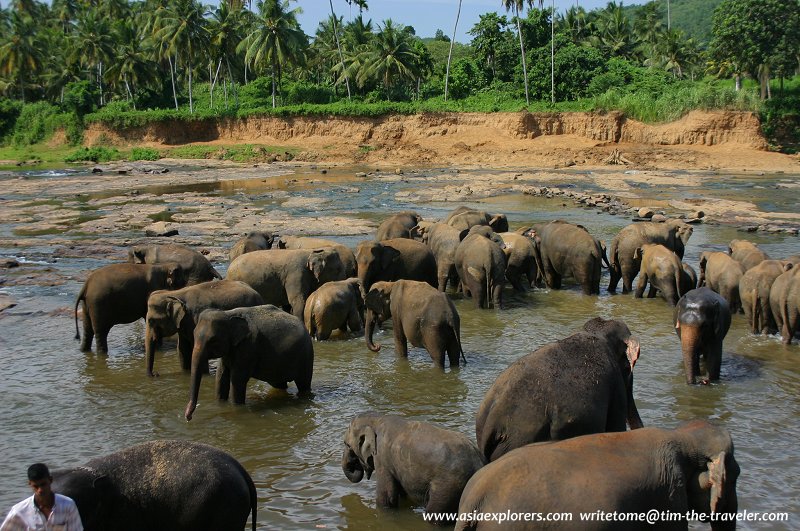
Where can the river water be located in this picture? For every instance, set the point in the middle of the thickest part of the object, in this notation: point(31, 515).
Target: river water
point(64, 407)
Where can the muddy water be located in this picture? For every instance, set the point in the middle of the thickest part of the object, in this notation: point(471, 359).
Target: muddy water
point(64, 407)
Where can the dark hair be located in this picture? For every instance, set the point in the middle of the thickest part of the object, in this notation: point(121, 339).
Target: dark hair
point(38, 471)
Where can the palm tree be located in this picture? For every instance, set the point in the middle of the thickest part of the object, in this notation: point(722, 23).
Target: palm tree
point(276, 39)
point(391, 58)
point(517, 6)
point(648, 30)
point(132, 64)
point(450, 53)
point(66, 11)
point(20, 51)
point(94, 45)
point(226, 31)
point(339, 47)
point(613, 31)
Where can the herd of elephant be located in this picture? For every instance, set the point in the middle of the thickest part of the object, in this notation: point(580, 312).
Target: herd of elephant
point(260, 322)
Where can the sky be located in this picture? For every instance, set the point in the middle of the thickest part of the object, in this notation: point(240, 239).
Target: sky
point(426, 16)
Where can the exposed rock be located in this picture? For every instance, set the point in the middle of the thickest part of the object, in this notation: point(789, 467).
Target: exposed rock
point(161, 228)
point(658, 218)
point(6, 302)
point(646, 212)
point(8, 263)
point(697, 214)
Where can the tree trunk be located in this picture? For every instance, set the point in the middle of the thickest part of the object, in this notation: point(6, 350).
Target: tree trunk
point(273, 87)
point(172, 76)
point(738, 82)
point(450, 54)
point(338, 47)
point(524, 65)
point(214, 83)
point(191, 104)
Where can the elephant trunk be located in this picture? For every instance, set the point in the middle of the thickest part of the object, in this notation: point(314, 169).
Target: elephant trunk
point(690, 346)
point(369, 327)
point(150, 341)
point(194, 381)
point(633, 418)
point(352, 466)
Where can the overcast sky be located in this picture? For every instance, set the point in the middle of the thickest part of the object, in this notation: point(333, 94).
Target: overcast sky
point(425, 15)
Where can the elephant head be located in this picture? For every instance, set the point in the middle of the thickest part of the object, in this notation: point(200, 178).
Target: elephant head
point(326, 265)
point(486, 232)
point(626, 350)
point(360, 448)
point(373, 258)
point(701, 314)
point(92, 492)
point(216, 334)
point(499, 223)
point(257, 241)
point(137, 254)
point(377, 302)
point(165, 315)
point(683, 231)
point(711, 470)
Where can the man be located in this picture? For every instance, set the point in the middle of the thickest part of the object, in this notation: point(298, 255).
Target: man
point(45, 510)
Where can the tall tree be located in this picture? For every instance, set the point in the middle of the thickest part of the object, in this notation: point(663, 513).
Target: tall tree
point(20, 52)
point(94, 45)
point(339, 48)
point(450, 54)
point(391, 58)
point(489, 34)
point(226, 30)
point(517, 6)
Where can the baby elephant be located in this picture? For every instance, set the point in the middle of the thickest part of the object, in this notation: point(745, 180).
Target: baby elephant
point(421, 314)
point(428, 464)
point(702, 318)
point(255, 241)
point(333, 305)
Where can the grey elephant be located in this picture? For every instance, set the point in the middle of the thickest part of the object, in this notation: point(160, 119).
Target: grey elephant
point(784, 301)
point(578, 385)
point(395, 259)
point(689, 468)
point(746, 253)
point(754, 289)
point(255, 241)
point(286, 278)
point(688, 279)
point(568, 250)
point(427, 464)
point(481, 266)
point(176, 312)
point(195, 266)
point(335, 305)
point(521, 252)
point(420, 314)
point(397, 226)
point(161, 485)
point(672, 234)
point(261, 342)
point(346, 254)
point(443, 241)
point(722, 274)
point(702, 318)
point(464, 218)
point(662, 269)
point(117, 294)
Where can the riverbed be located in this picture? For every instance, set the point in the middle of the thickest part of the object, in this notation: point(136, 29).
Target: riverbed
point(64, 407)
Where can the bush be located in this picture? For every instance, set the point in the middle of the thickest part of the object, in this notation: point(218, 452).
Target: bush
point(144, 153)
point(95, 154)
point(297, 92)
point(574, 68)
point(36, 122)
point(9, 111)
point(79, 97)
point(466, 78)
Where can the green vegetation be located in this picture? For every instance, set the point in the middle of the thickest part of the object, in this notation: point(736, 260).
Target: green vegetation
point(237, 153)
point(144, 153)
point(94, 154)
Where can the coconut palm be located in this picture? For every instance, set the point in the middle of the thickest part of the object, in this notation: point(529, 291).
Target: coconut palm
point(339, 48)
point(517, 6)
point(450, 53)
point(390, 59)
point(66, 11)
point(20, 52)
point(132, 65)
point(226, 30)
point(94, 46)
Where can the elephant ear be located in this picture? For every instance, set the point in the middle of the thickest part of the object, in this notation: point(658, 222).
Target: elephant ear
point(638, 253)
point(177, 309)
point(316, 263)
point(463, 234)
point(717, 478)
point(388, 256)
point(175, 277)
point(368, 447)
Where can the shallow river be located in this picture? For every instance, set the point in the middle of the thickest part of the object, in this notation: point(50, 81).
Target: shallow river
point(64, 407)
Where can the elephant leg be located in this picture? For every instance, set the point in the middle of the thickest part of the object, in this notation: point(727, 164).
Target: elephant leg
point(629, 272)
point(436, 348)
point(239, 383)
point(101, 338)
point(88, 330)
point(223, 382)
point(323, 334)
point(387, 491)
point(442, 276)
point(497, 295)
point(641, 285)
point(354, 321)
point(303, 382)
point(440, 498)
point(713, 359)
point(453, 352)
point(789, 327)
point(400, 340)
point(298, 304)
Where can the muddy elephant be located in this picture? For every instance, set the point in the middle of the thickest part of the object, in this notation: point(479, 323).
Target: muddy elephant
point(420, 314)
point(577, 385)
point(443, 241)
point(722, 274)
point(261, 342)
point(672, 234)
point(662, 269)
point(346, 254)
point(464, 218)
point(689, 468)
point(255, 241)
point(117, 294)
point(702, 318)
point(176, 312)
point(521, 260)
point(161, 485)
point(784, 301)
point(397, 226)
point(335, 305)
point(196, 267)
point(746, 253)
point(481, 266)
point(754, 288)
point(395, 259)
point(427, 464)
point(286, 278)
point(568, 250)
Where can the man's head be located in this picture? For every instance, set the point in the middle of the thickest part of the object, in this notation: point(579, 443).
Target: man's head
point(39, 480)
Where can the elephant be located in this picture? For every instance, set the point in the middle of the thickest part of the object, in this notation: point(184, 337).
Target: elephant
point(577, 385)
point(162, 485)
point(255, 241)
point(689, 468)
point(481, 266)
point(722, 274)
point(261, 342)
point(176, 312)
point(443, 241)
point(521, 254)
point(428, 464)
point(688, 279)
point(397, 226)
point(746, 253)
point(346, 254)
point(395, 259)
point(784, 301)
point(754, 290)
point(338, 304)
point(662, 268)
point(568, 250)
point(287, 277)
point(195, 266)
point(673, 234)
point(702, 318)
point(117, 294)
point(420, 314)
point(464, 218)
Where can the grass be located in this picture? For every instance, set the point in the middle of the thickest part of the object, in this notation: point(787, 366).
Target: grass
point(234, 153)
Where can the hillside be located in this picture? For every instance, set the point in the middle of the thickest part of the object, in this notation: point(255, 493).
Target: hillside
point(693, 17)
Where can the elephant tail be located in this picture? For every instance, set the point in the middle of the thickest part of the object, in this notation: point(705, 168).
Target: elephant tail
point(755, 313)
point(460, 348)
point(81, 296)
point(253, 500)
point(311, 322)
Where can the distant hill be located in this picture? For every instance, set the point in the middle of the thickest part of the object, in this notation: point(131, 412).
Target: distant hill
point(691, 16)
